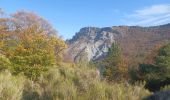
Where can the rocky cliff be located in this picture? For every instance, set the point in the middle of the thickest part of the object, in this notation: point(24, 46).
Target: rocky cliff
point(92, 43)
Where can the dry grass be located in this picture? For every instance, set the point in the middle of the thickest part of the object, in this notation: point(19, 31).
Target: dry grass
point(67, 83)
point(11, 88)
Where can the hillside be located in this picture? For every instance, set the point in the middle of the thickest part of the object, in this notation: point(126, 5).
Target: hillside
point(92, 43)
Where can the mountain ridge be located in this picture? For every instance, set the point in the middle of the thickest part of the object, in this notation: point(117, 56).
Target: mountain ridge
point(92, 43)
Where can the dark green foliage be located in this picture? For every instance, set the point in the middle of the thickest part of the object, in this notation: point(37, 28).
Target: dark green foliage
point(163, 59)
point(156, 74)
point(114, 53)
point(133, 74)
point(145, 68)
point(111, 63)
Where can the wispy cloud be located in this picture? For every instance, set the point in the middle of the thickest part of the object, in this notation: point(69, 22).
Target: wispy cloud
point(1, 11)
point(148, 16)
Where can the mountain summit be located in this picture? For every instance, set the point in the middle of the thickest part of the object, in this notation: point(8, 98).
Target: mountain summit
point(92, 43)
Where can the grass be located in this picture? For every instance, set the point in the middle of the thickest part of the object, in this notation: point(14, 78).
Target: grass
point(67, 83)
point(11, 88)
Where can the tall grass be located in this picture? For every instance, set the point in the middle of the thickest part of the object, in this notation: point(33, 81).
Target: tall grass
point(67, 83)
point(11, 88)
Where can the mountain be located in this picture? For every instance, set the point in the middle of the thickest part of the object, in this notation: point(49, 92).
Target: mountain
point(92, 43)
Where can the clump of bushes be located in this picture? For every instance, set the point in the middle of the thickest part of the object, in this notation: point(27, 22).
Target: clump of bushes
point(4, 62)
point(155, 71)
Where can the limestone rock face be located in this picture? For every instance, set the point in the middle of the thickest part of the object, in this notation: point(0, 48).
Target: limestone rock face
point(92, 43)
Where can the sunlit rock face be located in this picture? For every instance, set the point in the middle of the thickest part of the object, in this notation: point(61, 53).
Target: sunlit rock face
point(92, 43)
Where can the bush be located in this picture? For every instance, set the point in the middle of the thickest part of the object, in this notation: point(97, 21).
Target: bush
point(156, 74)
point(4, 63)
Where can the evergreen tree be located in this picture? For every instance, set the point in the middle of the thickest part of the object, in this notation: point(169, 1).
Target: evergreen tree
point(114, 64)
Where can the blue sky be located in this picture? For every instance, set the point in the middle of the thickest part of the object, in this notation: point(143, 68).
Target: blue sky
point(68, 16)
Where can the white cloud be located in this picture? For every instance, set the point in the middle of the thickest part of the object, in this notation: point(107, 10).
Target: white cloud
point(148, 16)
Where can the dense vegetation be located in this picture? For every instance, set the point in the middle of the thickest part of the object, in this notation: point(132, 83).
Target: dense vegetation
point(155, 71)
point(32, 67)
point(115, 66)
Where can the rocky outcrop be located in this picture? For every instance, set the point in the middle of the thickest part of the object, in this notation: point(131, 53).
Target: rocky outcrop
point(92, 43)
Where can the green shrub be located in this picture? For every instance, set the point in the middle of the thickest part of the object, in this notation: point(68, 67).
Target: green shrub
point(4, 63)
point(156, 74)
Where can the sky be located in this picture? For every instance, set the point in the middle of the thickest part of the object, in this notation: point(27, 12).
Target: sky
point(69, 16)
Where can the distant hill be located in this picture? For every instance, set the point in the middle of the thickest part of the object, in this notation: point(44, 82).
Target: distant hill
point(92, 43)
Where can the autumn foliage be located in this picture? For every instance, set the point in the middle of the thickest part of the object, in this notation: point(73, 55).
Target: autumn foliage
point(30, 49)
point(115, 65)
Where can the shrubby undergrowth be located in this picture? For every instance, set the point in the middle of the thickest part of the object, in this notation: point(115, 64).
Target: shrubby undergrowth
point(11, 87)
point(67, 83)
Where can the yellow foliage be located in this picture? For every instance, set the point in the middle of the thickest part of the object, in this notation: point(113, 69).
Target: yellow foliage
point(1, 44)
point(123, 66)
point(32, 49)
